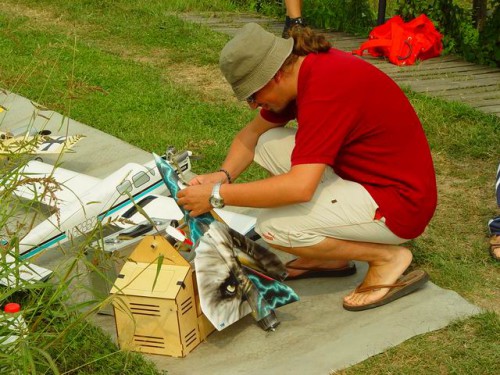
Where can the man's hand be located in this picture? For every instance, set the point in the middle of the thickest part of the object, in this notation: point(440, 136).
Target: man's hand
point(209, 178)
point(195, 198)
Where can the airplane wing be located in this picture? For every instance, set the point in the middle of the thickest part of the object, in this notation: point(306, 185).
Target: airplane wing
point(36, 144)
point(68, 185)
point(152, 206)
point(13, 274)
point(239, 222)
point(104, 202)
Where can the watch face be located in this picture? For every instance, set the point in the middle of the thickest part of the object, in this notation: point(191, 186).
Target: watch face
point(215, 199)
point(216, 202)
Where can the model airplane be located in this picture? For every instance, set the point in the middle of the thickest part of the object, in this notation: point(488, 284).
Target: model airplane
point(18, 272)
point(82, 203)
point(231, 268)
point(27, 140)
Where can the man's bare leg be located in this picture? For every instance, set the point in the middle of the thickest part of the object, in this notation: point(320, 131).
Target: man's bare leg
point(386, 263)
point(301, 265)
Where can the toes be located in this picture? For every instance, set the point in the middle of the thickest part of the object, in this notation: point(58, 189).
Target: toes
point(349, 297)
point(364, 298)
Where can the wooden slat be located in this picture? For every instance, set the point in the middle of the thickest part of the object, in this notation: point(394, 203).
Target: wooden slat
point(469, 95)
point(491, 109)
point(486, 103)
point(459, 70)
point(437, 87)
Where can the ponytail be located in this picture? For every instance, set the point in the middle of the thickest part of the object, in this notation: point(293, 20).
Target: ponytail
point(306, 41)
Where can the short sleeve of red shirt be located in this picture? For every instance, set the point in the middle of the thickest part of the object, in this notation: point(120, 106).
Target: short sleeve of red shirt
point(354, 118)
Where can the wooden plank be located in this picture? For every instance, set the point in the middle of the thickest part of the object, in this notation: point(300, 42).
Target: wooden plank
point(458, 70)
point(423, 69)
point(452, 67)
point(491, 78)
point(420, 65)
point(484, 103)
point(470, 94)
point(494, 110)
point(443, 85)
point(340, 36)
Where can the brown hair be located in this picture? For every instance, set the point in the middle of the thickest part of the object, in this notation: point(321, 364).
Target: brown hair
point(306, 41)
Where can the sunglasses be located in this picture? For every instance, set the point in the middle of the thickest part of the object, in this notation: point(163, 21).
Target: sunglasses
point(251, 99)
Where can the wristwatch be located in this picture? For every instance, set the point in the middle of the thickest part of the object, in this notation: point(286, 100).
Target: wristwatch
point(215, 199)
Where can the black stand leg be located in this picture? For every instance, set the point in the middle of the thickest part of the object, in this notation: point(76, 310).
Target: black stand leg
point(381, 12)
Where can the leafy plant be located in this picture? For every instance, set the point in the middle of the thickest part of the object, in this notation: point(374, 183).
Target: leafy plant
point(354, 16)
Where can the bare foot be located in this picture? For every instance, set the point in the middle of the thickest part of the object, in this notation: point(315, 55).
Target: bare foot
point(495, 253)
point(314, 264)
point(495, 246)
point(381, 273)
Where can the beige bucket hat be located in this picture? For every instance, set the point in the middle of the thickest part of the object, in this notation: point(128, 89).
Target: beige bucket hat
point(251, 59)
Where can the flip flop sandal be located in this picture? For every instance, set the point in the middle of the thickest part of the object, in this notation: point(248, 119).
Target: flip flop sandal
point(494, 244)
point(405, 285)
point(348, 270)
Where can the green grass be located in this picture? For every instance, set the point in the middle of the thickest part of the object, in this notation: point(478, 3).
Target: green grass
point(58, 331)
point(139, 73)
point(119, 95)
point(467, 347)
point(104, 357)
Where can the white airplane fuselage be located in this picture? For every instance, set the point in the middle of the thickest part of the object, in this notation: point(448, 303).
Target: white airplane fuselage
point(107, 199)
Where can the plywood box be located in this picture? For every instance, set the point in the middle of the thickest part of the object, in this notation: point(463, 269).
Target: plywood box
point(155, 304)
point(109, 255)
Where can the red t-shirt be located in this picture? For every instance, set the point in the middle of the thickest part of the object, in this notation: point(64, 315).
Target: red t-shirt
point(354, 118)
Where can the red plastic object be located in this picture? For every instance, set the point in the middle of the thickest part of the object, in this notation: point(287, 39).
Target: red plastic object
point(12, 308)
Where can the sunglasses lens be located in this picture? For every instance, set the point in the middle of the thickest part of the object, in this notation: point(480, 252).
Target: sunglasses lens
point(251, 99)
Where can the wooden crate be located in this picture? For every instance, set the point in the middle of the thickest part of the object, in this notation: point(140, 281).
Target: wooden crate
point(157, 307)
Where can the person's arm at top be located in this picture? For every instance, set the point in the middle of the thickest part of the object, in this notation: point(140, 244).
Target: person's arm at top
point(298, 185)
point(241, 152)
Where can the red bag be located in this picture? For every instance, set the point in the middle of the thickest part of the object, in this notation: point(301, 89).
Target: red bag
point(404, 43)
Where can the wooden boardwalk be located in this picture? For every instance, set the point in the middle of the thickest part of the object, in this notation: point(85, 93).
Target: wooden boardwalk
point(449, 77)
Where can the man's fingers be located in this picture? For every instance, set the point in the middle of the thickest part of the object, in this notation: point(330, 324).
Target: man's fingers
point(195, 181)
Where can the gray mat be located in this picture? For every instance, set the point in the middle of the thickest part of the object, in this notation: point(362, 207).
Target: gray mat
point(316, 335)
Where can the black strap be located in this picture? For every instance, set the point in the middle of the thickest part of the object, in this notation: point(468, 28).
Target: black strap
point(228, 176)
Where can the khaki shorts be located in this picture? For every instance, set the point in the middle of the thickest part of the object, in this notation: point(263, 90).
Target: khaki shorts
point(339, 208)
